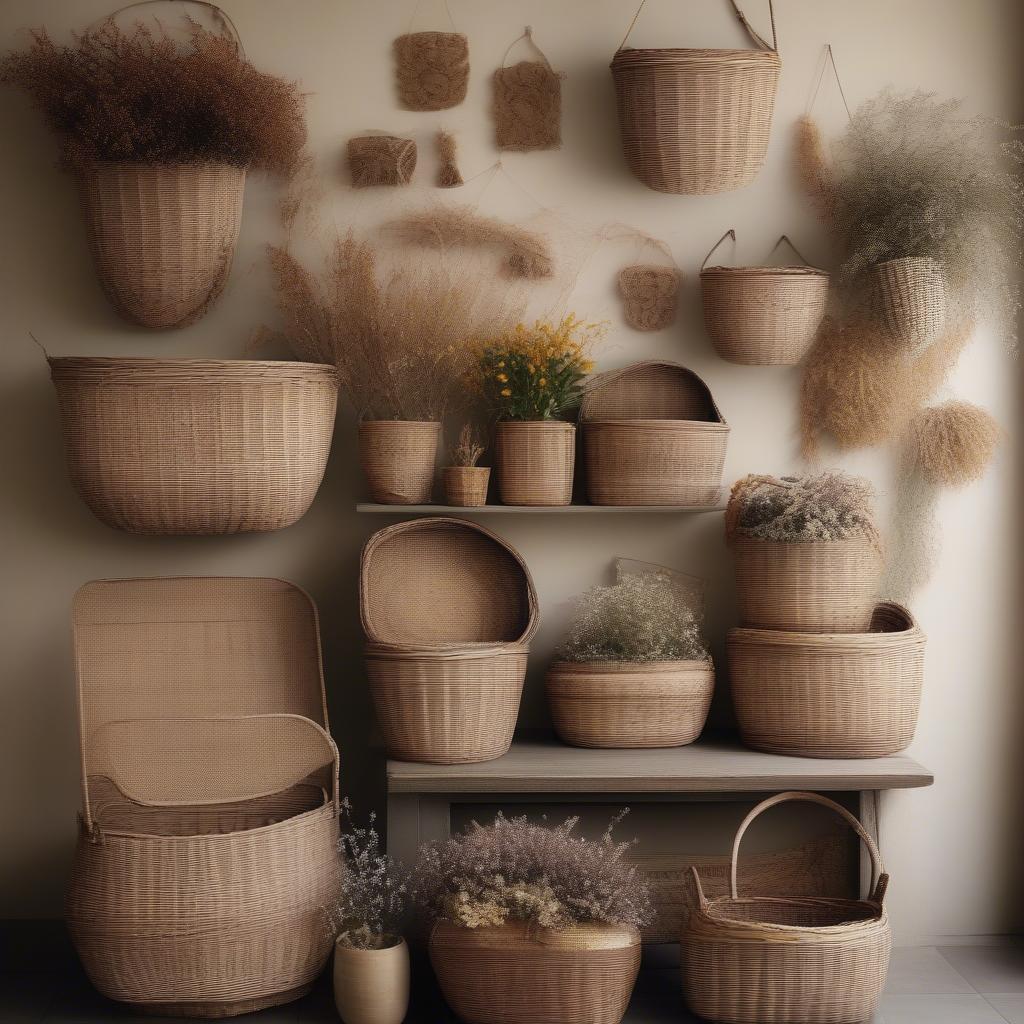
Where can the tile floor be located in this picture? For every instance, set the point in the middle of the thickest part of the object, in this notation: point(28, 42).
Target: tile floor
point(40, 981)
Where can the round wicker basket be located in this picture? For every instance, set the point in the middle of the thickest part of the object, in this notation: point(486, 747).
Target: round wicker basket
point(398, 458)
point(535, 462)
point(466, 486)
point(912, 299)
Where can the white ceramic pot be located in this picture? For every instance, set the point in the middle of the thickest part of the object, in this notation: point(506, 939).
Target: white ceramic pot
point(371, 986)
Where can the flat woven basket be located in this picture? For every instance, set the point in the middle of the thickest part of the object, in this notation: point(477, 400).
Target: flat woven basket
point(652, 435)
point(696, 122)
point(829, 695)
point(195, 446)
point(162, 237)
point(798, 960)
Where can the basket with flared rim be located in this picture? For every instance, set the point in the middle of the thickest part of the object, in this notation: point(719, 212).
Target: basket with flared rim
point(763, 960)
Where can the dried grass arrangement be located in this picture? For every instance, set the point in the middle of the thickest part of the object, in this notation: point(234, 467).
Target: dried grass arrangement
point(375, 160)
point(432, 69)
point(527, 103)
point(448, 174)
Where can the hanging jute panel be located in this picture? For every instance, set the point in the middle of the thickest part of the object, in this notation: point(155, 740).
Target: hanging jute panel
point(381, 160)
point(649, 296)
point(528, 103)
point(432, 69)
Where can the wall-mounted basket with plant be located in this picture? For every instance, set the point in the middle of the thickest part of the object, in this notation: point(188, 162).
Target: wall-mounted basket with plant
point(465, 483)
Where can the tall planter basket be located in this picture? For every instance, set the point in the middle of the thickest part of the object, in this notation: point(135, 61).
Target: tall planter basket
point(652, 435)
point(912, 299)
point(162, 237)
point(208, 838)
point(535, 462)
point(696, 122)
point(195, 446)
point(515, 973)
point(803, 960)
point(398, 458)
point(828, 695)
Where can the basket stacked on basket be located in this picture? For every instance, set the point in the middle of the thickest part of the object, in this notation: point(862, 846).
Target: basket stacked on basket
point(448, 610)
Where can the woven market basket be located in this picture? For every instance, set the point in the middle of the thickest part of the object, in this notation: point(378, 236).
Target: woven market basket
point(797, 960)
point(398, 458)
point(516, 973)
point(763, 316)
point(466, 486)
point(195, 446)
point(652, 435)
point(630, 704)
point(535, 462)
point(162, 237)
point(696, 122)
point(829, 695)
point(209, 827)
point(912, 299)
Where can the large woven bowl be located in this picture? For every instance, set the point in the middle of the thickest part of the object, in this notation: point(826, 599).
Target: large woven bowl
point(829, 695)
point(195, 446)
point(162, 236)
point(514, 974)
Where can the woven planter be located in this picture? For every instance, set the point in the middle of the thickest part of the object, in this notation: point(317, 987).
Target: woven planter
point(801, 960)
point(466, 486)
point(912, 299)
point(652, 435)
point(162, 237)
point(195, 446)
point(371, 986)
point(517, 973)
point(829, 695)
point(398, 459)
point(535, 462)
point(630, 704)
point(807, 586)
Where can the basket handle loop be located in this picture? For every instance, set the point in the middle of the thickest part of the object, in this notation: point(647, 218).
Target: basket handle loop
point(759, 40)
point(879, 880)
point(731, 233)
point(785, 238)
point(528, 36)
point(702, 900)
point(229, 28)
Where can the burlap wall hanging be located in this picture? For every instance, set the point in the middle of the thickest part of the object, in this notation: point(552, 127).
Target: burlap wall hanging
point(448, 173)
point(381, 160)
point(649, 290)
point(527, 102)
point(432, 68)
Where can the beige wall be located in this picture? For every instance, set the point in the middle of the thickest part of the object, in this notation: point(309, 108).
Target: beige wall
point(952, 850)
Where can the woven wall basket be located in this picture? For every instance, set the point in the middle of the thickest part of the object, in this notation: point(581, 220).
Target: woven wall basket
point(652, 435)
point(695, 122)
point(807, 587)
point(195, 446)
point(912, 299)
point(798, 960)
point(829, 695)
point(630, 704)
point(516, 973)
point(535, 462)
point(466, 486)
point(398, 459)
point(208, 840)
point(162, 237)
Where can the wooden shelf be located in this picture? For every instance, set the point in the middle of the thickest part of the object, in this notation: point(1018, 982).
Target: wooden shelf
point(458, 510)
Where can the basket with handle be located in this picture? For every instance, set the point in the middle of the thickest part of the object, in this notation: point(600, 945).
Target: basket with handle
point(798, 960)
point(763, 316)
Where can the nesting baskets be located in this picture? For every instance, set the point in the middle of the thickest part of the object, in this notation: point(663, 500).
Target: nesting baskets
point(448, 610)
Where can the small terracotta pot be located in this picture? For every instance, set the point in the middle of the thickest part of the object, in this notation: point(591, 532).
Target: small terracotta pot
point(398, 459)
point(535, 462)
point(371, 986)
point(466, 486)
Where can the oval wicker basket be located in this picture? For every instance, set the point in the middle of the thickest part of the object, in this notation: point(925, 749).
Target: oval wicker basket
point(195, 446)
point(535, 461)
point(829, 695)
point(807, 586)
point(652, 435)
point(912, 299)
point(801, 960)
point(630, 704)
point(516, 973)
point(398, 458)
point(162, 236)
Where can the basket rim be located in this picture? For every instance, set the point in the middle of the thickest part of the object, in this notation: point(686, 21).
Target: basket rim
point(600, 381)
point(787, 270)
point(676, 426)
point(140, 364)
point(713, 914)
point(628, 54)
point(665, 666)
point(445, 652)
point(162, 165)
point(910, 633)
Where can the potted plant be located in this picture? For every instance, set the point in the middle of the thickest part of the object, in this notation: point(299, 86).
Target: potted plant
point(530, 377)
point(633, 669)
point(371, 959)
point(533, 922)
point(160, 137)
point(465, 483)
point(807, 552)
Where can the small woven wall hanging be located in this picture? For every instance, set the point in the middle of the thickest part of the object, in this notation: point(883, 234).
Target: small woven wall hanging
point(448, 174)
point(381, 160)
point(649, 290)
point(527, 103)
point(432, 67)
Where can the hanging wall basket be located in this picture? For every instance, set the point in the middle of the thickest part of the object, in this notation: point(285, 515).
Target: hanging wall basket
point(911, 296)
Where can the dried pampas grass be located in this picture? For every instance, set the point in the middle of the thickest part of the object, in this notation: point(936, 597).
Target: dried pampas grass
point(953, 444)
point(813, 168)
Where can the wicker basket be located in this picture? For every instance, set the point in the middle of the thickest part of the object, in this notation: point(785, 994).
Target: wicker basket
point(466, 486)
point(763, 316)
point(162, 237)
point(799, 960)
point(535, 462)
point(829, 695)
point(807, 586)
point(630, 704)
point(398, 458)
point(516, 973)
point(912, 299)
point(195, 446)
point(652, 435)
point(696, 122)
point(208, 839)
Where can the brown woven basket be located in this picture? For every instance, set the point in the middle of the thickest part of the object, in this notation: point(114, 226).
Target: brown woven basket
point(518, 974)
point(763, 316)
point(630, 704)
point(798, 960)
point(398, 458)
point(195, 446)
point(466, 486)
point(695, 122)
point(829, 695)
point(162, 237)
point(652, 435)
point(535, 462)
point(208, 839)
point(912, 299)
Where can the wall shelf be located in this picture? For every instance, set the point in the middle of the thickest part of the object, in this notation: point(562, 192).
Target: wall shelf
point(458, 510)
